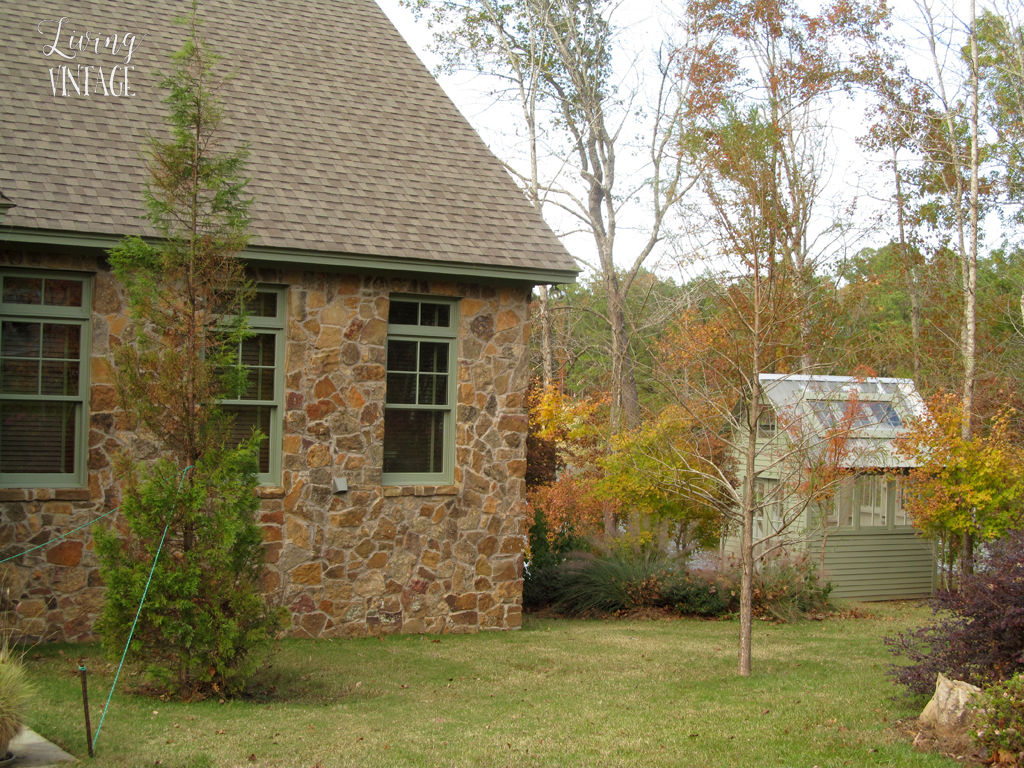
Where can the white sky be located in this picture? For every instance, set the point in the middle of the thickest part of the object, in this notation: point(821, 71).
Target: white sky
point(854, 176)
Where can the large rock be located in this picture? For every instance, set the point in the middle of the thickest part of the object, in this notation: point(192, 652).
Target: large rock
point(949, 709)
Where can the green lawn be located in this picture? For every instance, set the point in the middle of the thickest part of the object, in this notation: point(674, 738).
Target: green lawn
point(557, 693)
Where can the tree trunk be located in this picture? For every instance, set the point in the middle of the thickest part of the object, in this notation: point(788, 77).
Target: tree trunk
point(971, 285)
point(547, 352)
point(625, 413)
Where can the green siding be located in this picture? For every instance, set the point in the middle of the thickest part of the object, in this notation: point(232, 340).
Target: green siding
point(888, 565)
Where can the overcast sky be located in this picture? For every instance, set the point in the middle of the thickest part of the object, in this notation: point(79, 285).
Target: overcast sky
point(854, 175)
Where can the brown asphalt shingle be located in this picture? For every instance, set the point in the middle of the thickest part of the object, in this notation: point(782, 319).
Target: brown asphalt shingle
point(355, 149)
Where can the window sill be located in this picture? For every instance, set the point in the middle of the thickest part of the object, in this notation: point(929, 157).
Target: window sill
point(45, 494)
point(391, 491)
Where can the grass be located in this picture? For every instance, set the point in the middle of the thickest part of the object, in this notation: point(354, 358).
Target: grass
point(558, 693)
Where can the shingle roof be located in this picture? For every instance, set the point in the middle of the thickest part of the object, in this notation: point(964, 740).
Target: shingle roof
point(883, 405)
point(354, 147)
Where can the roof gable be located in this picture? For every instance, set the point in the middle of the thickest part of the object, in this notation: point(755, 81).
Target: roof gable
point(355, 149)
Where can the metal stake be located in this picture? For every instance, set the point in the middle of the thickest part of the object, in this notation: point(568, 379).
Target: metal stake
point(85, 704)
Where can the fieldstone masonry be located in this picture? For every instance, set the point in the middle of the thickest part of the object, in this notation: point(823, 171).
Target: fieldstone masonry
point(370, 561)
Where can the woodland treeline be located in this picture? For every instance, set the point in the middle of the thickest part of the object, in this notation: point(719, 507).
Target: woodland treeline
point(647, 386)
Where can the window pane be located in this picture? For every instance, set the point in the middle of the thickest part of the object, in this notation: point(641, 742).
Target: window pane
point(263, 305)
point(401, 388)
point(435, 315)
point(20, 377)
point(266, 384)
point(250, 418)
point(23, 290)
point(403, 312)
point(890, 418)
point(37, 437)
point(899, 514)
point(257, 355)
point(258, 350)
point(20, 339)
point(433, 357)
point(433, 389)
point(62, 293)
point(59, 378)
point(401, 355)
point(823, 412)
point(61, 342)
point(872, 512)
point(413, 441)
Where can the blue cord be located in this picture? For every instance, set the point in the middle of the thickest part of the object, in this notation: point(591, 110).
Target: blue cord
point(138, 612)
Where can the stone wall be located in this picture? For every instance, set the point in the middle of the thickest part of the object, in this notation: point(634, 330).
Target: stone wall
point(372, 560)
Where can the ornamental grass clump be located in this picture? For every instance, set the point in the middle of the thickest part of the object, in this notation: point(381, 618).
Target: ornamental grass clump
point(624, 579)
point(15, 693)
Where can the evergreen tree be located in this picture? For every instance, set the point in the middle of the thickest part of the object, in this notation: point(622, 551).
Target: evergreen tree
point(204, 614)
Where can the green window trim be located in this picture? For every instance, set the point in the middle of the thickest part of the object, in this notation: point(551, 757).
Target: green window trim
point(45, 355)
point(264, 353)
point(421, 387)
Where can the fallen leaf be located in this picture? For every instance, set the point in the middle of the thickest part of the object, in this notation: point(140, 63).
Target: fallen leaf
point(766, 712)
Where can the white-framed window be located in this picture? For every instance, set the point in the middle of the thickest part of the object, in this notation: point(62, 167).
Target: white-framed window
point(260, 406)
point(768, 510)
point(44, 378)
point(419, 409)
point(870, 502)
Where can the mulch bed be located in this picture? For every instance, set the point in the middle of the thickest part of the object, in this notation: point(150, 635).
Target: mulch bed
point(958, 746)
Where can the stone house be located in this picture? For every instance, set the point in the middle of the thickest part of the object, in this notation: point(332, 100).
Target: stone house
point(395, 260)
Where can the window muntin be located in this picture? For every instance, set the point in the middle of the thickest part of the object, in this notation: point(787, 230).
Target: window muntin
point(259, 406)
point(418, 412)
point(44, 336)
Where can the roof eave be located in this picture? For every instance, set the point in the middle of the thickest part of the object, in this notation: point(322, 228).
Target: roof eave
point(328, 261)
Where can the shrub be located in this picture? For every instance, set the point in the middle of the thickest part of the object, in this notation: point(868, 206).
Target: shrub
point(15, 692)
point(542, 576)
point(694, 594)
point(624, 579)
point(999, 720)
point(786, 587)
point(978, 632)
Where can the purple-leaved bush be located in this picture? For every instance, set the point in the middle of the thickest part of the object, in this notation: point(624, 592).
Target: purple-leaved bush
point(977, 634)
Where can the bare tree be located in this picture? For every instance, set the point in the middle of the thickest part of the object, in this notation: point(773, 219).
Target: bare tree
point(762, 72)
point(556, 56)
